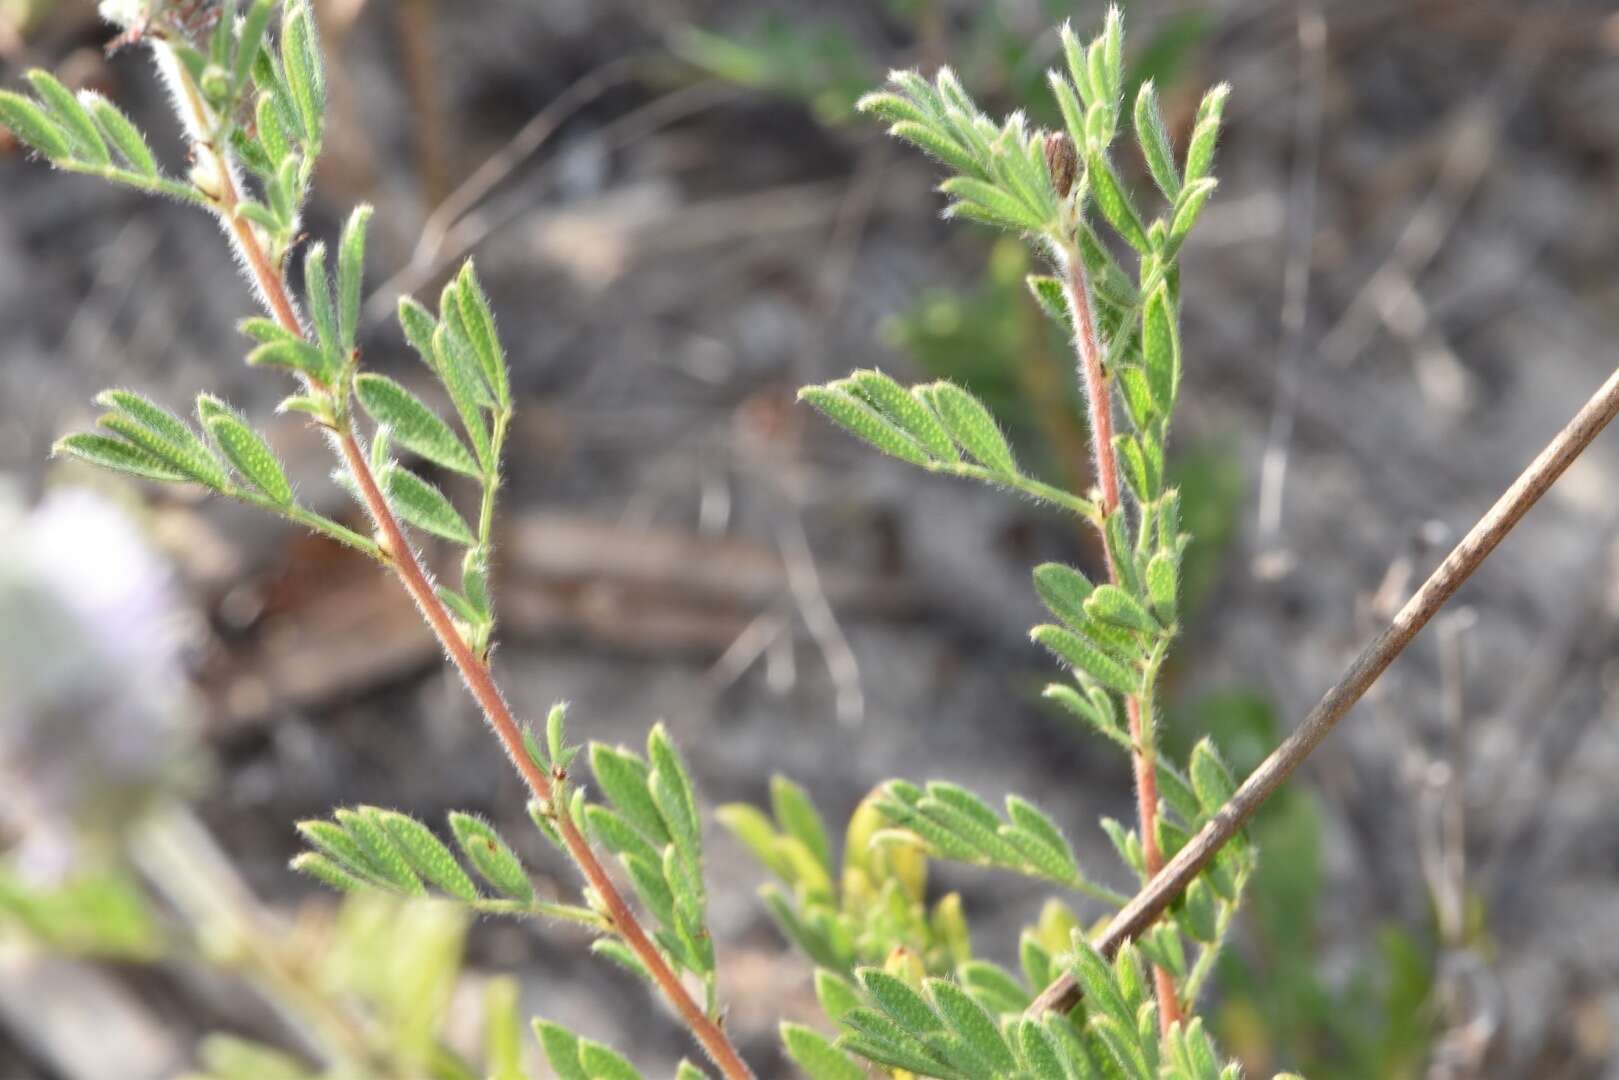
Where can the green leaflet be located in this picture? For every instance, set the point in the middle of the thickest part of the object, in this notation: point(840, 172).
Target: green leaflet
point(903, 409)
point(305, 77)
point(334, 842)
point(1030, 818)
point(460, 605)
point(991, 204)
point(412, 424)
point(1071, 97)
point(993, 987)
point(327, 872)
point(891, 108)
point(419, 327)
point(383, 856)
point(653, 889)
point(1200, 912)
point(71, 118)
point(1162, 945)
point(490, 855)
point(1188, 208)
point(424, 506)
point(836, 994)
point(603, 1063)
point(617, 835)
point(814, 1054)
point(561, 1048)
point(1160, 350)
point(671, 788)
point(556, 743)
point(1206, 132)
point(164, 435)
point(1162, 585)
point(1211, 780)
point(1086, 659)
point(121, 133)
point(1064, 591)
point(32, 126)
point(250, 42)
point(1111, 604)
point(865, 422)
point(1114, 204)
point(623, 778)
point(1039, 1050)
point(205, 471)
point(296, 356)
point(798, 816)
point(971, 425)
point(899, 1001)
point(426, 854)
point(932, 141)
point(620, 954)
point(1154, 139)
point(1053, 300)
point(972, 1022)
point(1084, 707)
point(455, 367)
point(245, 449)
point(350, 276)
point(318, 293)
point(479, 323)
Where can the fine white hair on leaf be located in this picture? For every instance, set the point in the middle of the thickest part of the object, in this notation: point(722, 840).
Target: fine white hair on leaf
point(188, 104)
point(124, 13)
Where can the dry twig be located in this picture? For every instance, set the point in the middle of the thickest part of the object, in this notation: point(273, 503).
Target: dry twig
point(1441, 585)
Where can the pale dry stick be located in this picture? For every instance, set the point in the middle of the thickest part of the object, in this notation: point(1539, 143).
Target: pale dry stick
point(1312, 33)
point(477, 675)
point(1140, 913)
point(472, 228)
point(529, 138)
point(1549, 733)
point(805, 582)
point(1473, 147)
point(1099, 394)
point(1450, 897)
point(415, 23)
point(854, 209)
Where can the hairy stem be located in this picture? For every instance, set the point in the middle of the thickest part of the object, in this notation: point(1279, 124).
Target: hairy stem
point(1367, 668)
point(1098, 385)
point(476, 673)
point(1099, 395)
point(487, 693)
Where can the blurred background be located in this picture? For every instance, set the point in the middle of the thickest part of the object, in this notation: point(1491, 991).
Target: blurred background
point(1407, 282)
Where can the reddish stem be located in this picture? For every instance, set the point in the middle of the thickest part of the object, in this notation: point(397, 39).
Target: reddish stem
point(481, 682)
point(1098, 394)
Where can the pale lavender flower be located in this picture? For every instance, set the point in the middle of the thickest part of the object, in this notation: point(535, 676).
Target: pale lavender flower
point(93, 696)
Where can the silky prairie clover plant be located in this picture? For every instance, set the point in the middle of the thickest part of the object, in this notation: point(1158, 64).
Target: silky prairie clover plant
point(896, 976)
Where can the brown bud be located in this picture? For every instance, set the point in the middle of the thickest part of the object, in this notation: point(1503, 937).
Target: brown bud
point(1062, 161)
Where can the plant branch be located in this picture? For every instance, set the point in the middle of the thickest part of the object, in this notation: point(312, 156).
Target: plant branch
point(477, 676)
point(1269, 776)
point(487, 693)
point(1099, 395)
point(1098, 387)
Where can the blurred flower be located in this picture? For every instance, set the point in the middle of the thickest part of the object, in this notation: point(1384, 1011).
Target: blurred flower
point(93, 695)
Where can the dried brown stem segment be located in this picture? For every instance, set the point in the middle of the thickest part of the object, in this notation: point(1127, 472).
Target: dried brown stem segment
point(1459, 565)
point(1098, 393)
